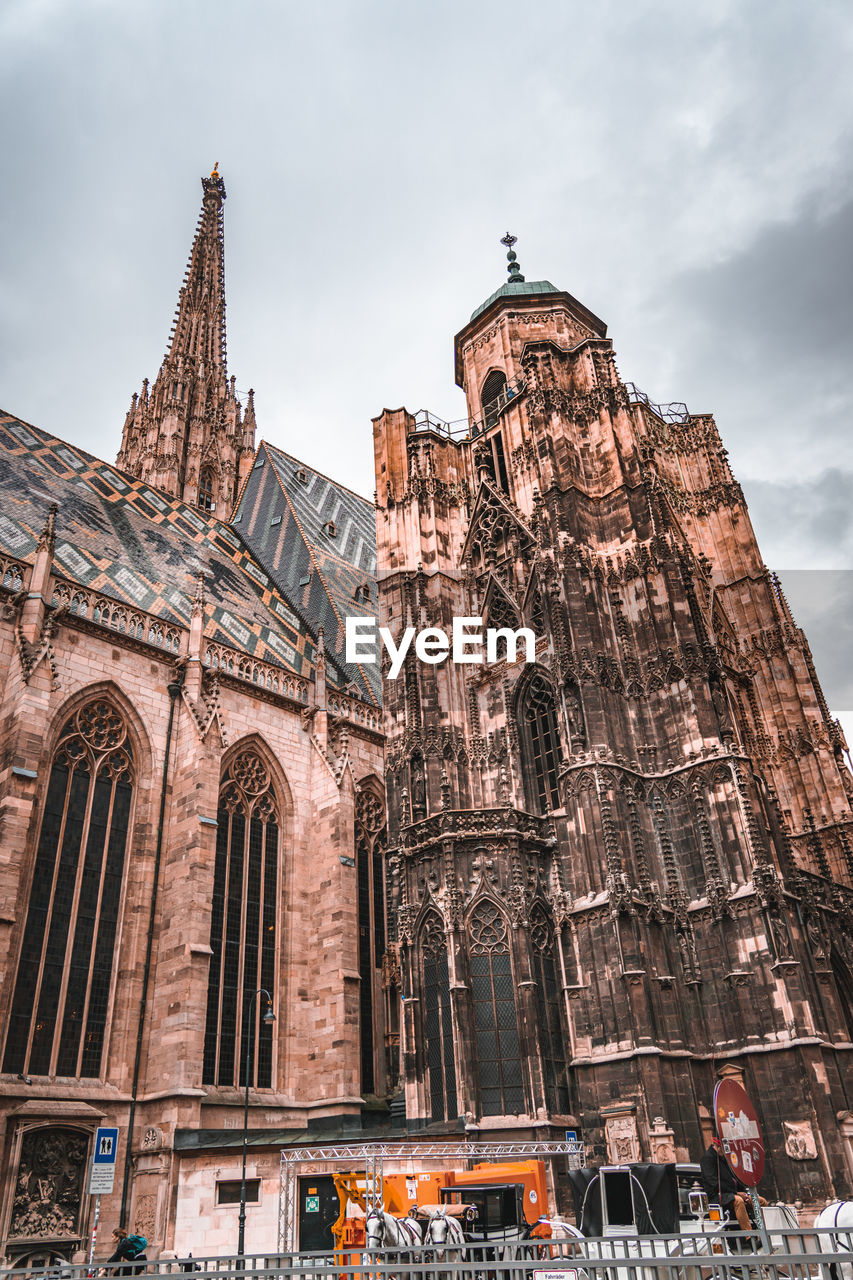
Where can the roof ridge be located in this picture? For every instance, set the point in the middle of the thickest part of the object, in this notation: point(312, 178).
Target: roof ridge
point(321, 474)
point(310, 549)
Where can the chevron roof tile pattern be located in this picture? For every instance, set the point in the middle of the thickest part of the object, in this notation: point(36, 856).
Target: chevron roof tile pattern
point(128, 541)
point(317, 541)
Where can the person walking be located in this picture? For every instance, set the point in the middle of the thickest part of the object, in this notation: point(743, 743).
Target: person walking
point(129, 1248)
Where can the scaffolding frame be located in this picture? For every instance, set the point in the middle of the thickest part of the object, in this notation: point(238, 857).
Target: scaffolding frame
point(371, 1156)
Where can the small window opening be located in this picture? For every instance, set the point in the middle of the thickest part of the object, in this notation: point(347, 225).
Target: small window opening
point(229, 1192)
point(205, 491)
point(500, 462)
point(493, 397)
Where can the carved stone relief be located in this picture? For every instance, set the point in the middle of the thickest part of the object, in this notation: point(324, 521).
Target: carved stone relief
point(49, 1187)
point(662, 1142)
point(799, 1140)
point(623, 1141)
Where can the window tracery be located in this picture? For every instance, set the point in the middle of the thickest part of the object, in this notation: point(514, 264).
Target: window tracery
point(540, 742)
point(438, 1020)
point(244, 924)
point(59, 1007)
point(495, 536)
point(501, 612)
point(206, 498)
point(487, 929)
point(495, 1025)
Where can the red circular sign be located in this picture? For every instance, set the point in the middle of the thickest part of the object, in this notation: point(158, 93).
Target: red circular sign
point(737, 1128)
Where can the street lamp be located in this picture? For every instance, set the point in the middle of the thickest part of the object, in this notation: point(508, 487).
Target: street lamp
point(269, 1017)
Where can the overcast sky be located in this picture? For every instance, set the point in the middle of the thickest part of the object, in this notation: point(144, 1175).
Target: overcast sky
point(683, 169)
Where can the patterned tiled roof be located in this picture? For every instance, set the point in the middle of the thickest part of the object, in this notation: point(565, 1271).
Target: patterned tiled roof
point(125, 540)
point(317, 541)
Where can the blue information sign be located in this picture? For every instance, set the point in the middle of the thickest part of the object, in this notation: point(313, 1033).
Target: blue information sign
point(106, 1146)
point(102, 1170)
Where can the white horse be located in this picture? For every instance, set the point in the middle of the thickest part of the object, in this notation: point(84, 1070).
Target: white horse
point(836, 1224)
point(384, 1231)
point(443, 1229)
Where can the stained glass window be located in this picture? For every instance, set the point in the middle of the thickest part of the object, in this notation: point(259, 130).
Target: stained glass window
point(242, 927)
point(60, 1002)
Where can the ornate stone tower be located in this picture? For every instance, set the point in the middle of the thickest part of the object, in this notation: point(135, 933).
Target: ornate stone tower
point(625, 867)
point(188, 434)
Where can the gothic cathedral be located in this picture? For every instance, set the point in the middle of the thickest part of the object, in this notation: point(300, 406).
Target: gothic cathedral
point(627, 867)
point(608, 876)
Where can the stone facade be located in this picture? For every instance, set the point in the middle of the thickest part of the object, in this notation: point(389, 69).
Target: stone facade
point(191, 808)
point(625, 868)
point(608, 877)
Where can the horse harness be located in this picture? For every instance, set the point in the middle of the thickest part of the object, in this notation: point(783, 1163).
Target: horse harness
point(404, 1226)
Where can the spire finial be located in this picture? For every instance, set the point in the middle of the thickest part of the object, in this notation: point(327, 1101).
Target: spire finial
point(514, 270)
point(48, 533)
point(198, 597)
point(215, 172)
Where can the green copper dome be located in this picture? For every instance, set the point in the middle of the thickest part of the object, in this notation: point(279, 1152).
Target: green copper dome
point(516, 289)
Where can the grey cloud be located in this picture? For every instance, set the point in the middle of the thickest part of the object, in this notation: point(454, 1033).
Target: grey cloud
point(762, 339)
point(805, 524)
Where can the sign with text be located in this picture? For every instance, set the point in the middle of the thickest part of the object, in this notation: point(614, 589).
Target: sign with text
point(103, 1168)
point(737, 1128)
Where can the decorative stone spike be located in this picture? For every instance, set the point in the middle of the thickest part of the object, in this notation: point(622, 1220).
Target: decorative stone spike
point(189, 409)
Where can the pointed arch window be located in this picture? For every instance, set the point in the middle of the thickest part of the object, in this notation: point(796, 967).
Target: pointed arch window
point(438, 1019)
point(540, 742)
point(552, 1047)
point(492, 400)
point(495, 1025)
point(206, 498)
point(243, 925)
point(491, 397)
point(59, 1008)
point(501, 613)
point(370, 881)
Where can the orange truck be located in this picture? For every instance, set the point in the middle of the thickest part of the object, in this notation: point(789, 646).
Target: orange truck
point(403, 1192)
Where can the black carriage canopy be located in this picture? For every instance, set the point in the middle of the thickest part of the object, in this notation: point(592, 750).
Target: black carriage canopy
point(642, 1195)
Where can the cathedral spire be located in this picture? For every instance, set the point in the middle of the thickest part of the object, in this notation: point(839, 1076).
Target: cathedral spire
point(198, 331)
point(188, 435)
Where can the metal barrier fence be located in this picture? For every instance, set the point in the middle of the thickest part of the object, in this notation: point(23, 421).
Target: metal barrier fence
point(795, 1255)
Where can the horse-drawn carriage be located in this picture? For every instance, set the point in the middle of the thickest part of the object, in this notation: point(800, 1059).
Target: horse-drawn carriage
point(625, 1214)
